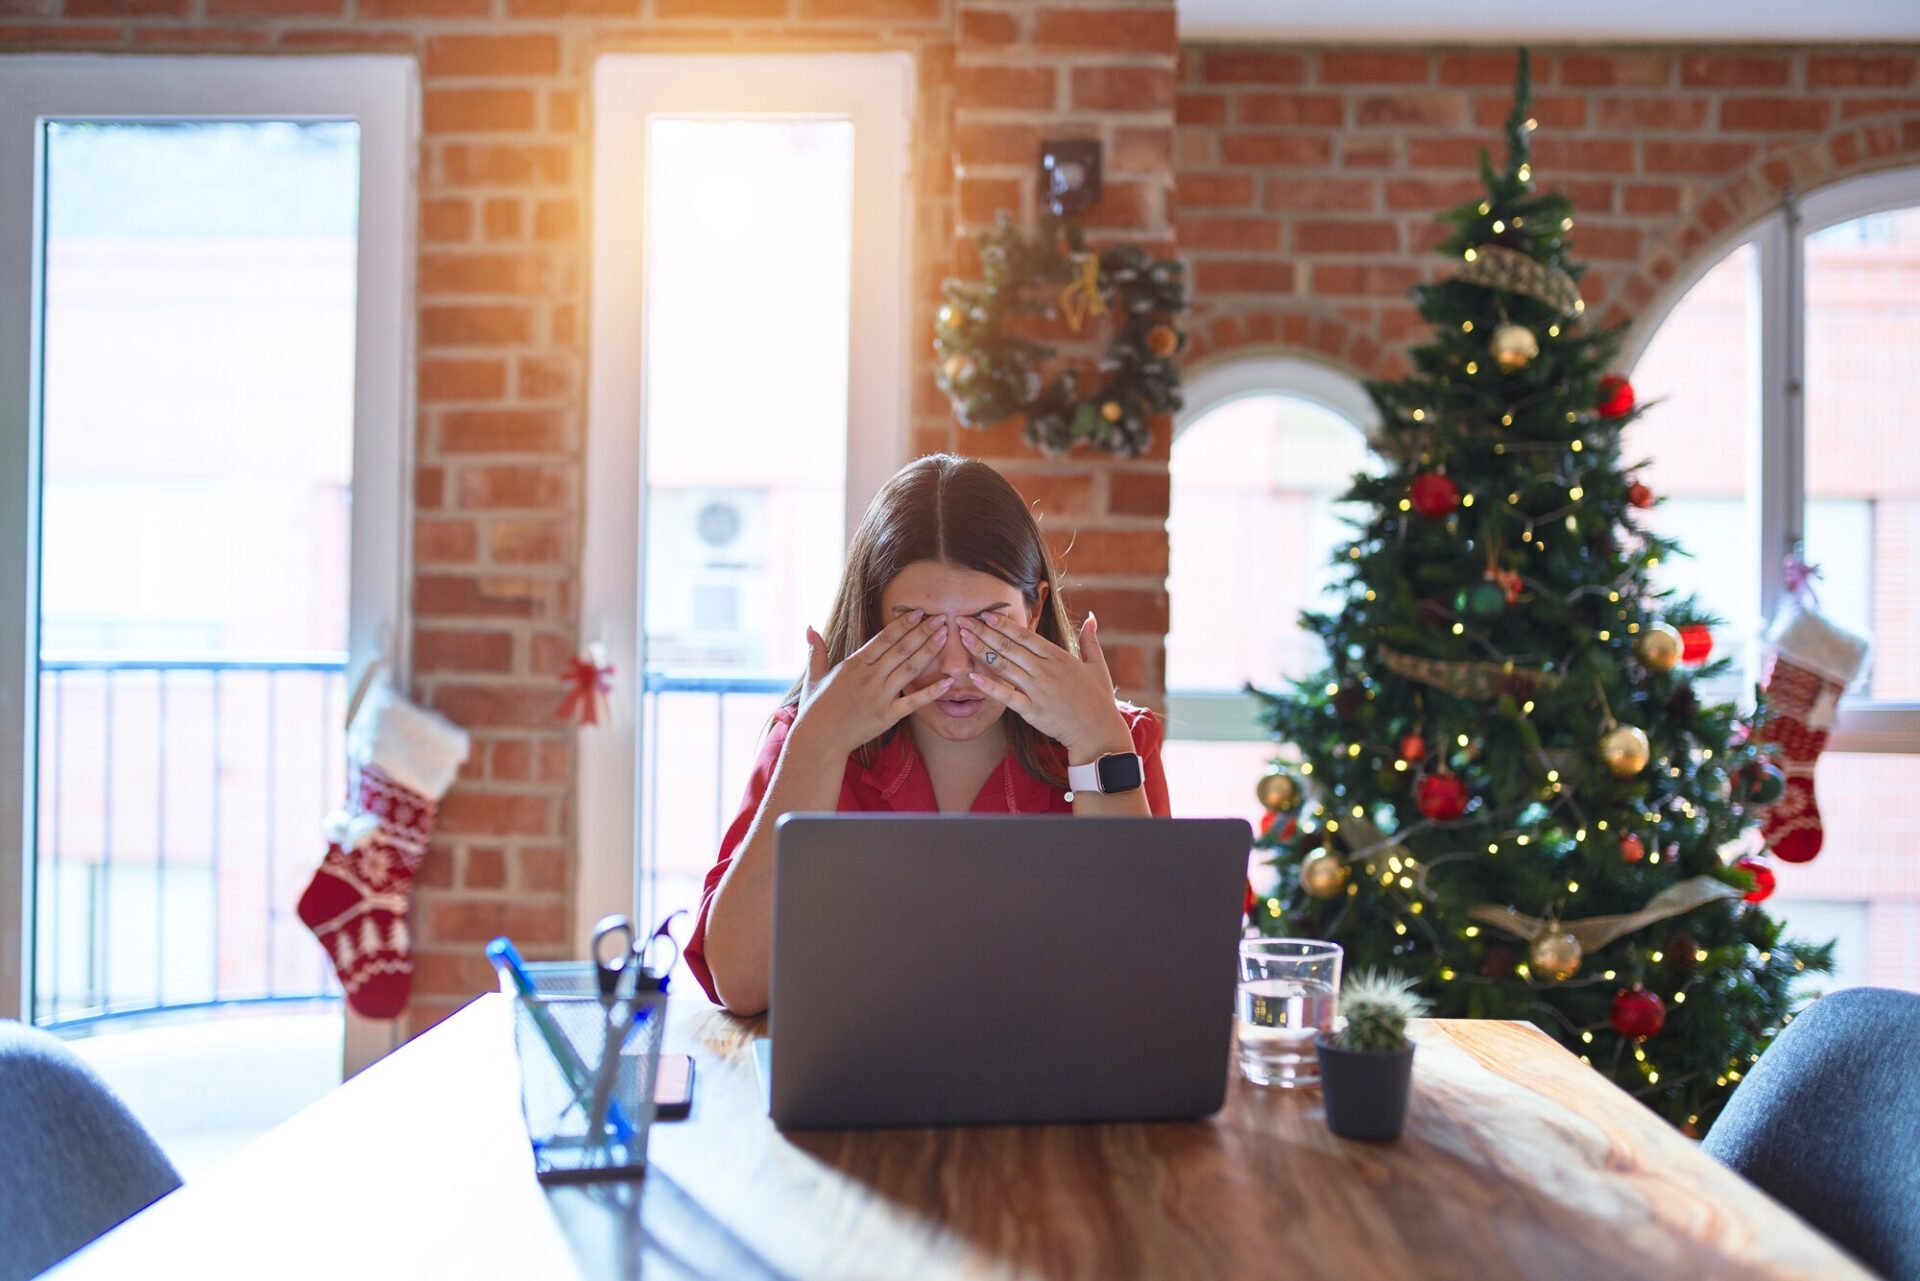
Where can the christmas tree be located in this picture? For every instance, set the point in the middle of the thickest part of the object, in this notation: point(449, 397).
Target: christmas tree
point(1505, 783)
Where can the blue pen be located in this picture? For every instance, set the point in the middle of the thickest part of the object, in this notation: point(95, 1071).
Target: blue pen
point(506, 957)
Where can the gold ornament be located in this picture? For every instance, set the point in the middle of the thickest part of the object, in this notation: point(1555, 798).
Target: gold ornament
point(1112, 412)
point(1660, 647)
point(949, 316)
point(1163, 340)
point(1625, 750)
point(1513, 347)
point(1278, 792)
point(1323, 874)
point(1555, 955)
point(958, 369)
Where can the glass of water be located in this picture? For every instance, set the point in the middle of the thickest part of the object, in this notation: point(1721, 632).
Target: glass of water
point(1288, 990)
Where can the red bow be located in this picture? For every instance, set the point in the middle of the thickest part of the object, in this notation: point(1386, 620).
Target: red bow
point(589, 679)
point(1800, 575)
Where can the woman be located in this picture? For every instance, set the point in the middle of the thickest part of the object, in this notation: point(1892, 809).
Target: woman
point(948, 680)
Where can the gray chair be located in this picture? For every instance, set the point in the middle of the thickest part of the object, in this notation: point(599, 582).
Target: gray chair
point(73, 1161)
point(1828, 1123)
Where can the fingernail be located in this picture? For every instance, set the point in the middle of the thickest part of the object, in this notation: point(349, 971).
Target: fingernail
point(940, 636)
point(947, 683)
point(917, 614)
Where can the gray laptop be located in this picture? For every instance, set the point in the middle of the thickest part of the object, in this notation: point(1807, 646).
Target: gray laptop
point(957, 970)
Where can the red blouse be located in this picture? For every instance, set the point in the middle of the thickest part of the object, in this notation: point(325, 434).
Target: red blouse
point(897, 782)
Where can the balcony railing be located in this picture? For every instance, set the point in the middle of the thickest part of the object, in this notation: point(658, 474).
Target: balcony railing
point(180, 802)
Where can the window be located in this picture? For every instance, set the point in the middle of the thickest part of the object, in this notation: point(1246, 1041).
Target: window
point(1260, 460)
point(1825, 296)
point(749, 395)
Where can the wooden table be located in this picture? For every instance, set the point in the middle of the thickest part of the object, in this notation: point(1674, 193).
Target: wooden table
point(1517, 1162)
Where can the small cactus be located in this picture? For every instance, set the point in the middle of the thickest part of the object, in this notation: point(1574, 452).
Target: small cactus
point(1377, 1006)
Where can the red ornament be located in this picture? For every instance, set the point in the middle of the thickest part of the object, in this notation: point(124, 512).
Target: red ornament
point(1640, 495)
point(1413, 748)
point(1616, 397)
point(1632, 849)
point(1441, 796)
point(1268, 819)
point(1510, 583)
point(1251, 901)
point(1638, 1013)
point(1763, 879)
point(1696, 642)
point(1434, 495)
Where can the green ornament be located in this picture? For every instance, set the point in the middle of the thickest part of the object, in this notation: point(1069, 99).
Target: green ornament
point(1482, 600)
point(1765, 783)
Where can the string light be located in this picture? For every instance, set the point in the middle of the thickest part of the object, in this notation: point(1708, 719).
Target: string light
point(1399, 927)
point(1526, 173)
point(1466, 326)
point(1472, 932)
point(1406, 504)
point(1498, 226)
point(1522, 839)
point(1485, 208)
point(1656, 957)
point(1459, 629)
point(1400, 767)
point(1446, 975)
point(1573, 887)
point(1587, 1038)
point(1553, 331)
point(1579, 445)
point(1493, 847)
point(1419, 415)
point(1358, 812)
point(1606, 636)
point(1353, 749)
point(1580, 835)
point(1566, 224)
point(1472, 254)
point(1532, 124)
point(1576, 493)
point(1466, 500)
point(1307, 768)
point(1679, 998)
point(1473, 367)
point(1506, 420)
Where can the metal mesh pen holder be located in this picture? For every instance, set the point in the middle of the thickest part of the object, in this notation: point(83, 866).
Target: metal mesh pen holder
point(587, 1068)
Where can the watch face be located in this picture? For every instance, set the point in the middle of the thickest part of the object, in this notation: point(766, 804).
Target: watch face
point(1120, 773)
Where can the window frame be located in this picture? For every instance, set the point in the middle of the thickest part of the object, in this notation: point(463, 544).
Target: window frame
point(1219, 715)
point(381, 93)
point(876, 91)
point(1777, 462)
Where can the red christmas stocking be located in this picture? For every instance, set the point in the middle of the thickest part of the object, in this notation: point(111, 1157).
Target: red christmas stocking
point(1812, 664)
point(403, 760)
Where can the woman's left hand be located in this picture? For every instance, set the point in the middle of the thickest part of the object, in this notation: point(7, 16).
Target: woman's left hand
point(1068, 699)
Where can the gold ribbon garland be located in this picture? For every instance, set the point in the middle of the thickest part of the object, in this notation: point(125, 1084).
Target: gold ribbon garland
point(1595, 932)
point(1082, 299)
point(1468, 680)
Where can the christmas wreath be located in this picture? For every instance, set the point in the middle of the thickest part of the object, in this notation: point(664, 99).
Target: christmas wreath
point(991, 370)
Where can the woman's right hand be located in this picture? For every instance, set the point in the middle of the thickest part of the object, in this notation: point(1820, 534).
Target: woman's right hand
point(864, 696)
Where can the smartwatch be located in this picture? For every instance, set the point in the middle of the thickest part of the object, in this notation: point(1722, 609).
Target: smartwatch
point(1115, 772)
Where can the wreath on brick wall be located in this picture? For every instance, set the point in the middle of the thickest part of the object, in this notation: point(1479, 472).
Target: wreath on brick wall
point(992, 363)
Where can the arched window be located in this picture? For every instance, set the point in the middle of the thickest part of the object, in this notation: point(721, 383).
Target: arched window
point(1260, 459)
point(1785, 379)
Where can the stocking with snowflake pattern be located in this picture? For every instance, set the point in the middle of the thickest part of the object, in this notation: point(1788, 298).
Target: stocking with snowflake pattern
point(401, 759)
point(1812, 663)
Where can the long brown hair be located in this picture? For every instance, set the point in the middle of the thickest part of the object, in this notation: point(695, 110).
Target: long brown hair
point(959, 512)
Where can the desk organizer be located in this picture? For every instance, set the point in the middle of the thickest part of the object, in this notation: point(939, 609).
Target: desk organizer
point(587, 1068)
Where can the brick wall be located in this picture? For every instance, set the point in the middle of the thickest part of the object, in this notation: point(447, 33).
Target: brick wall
point(1308, 177)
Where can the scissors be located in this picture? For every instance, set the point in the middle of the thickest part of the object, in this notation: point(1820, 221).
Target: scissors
point(631, 956)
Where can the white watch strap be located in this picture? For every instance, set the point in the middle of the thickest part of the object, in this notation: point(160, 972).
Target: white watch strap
point(1084, 778)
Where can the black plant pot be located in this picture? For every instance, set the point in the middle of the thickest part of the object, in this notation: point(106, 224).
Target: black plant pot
point(1365, 1090)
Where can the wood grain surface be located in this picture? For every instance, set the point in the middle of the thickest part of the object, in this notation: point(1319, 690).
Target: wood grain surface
point(1518, 1162)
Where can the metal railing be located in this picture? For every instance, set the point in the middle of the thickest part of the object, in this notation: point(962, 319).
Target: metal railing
point(178, 817)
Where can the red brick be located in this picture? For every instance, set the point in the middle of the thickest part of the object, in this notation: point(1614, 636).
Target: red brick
point(1584, 155)
point(1132, 493)
point(446, 379)
point(500, 218)
point(504, 164)
point(1664, 112)
point(1433, 110)
point(996, 143)
point(67, 35)
point(429, 488)
point(125, 9)
point(1346, 237)
point(1352, 279)
point(1855, 108)
point(1611, 70)
point(453, 541)
point(530, 542)
point(720, 9)
point(511, 761)
point(1053, 494)
point(1105, 29)
point(476, 55)
point(443, 221)
point(1127, 205)
point(1200, 108)
point(275, 8)
point(450, 595)
point(1860, 71)
point(422, 9)
point(1245, 67)
point(1122, 88)
point(1369, 151)
point(573, 8)
point(1276, 149)
point(1215, 191)
point(556, 220)
point(462, 920)
point(1140, 552)
point(201, 38)
point(988, 27)
point(1445, 153)
point(1230, 233)
point(1122, 609)
point(1549, 111)
point(1476, 68)
point(476, 110)
point(1145, 150)
point(909, 10)
point(1373, 66)
point(1776, 115)
point(1697, 157)
point(439, 649)
point(542, 869)
point(455, 969)
point(518, 486)
point(1432, 194)
point(1289, 109)
point(504, 431)
point(546, 378)
point(1004, 88)
point(475, 325)
point(1731, 70)
point(496, 814)
point(1128, 665)
point(1323, 195)
point(563, 111)
point(1650, 198)
point(499, 704)
point(982, 199)
point(1243, 276)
